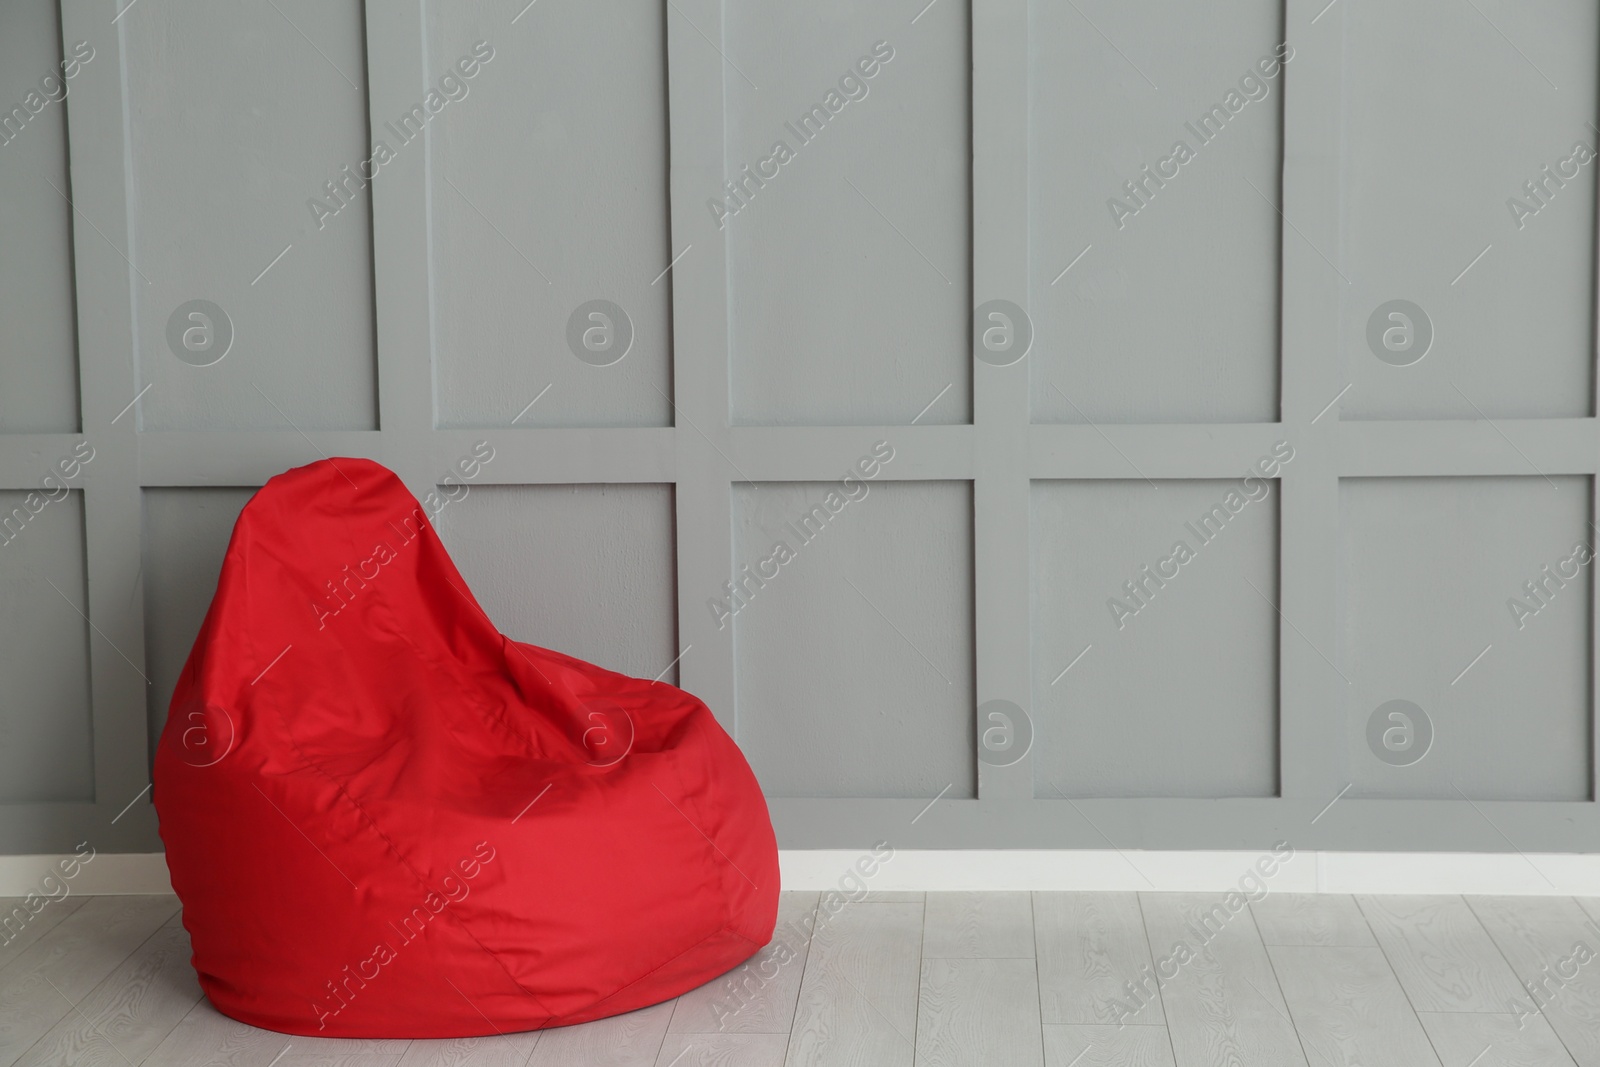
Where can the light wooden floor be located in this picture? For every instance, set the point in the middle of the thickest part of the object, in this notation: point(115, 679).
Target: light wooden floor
point(1009, 979)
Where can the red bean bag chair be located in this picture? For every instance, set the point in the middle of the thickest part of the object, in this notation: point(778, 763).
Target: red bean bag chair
point(385, 819)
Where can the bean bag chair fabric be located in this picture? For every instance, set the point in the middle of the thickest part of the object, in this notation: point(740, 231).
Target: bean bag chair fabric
point(385, 819)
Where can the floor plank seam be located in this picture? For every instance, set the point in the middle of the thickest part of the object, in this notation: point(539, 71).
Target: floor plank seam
point(1294, 1027)
point(1161, 996)
point(800, 987)
point(1396, 975)
point(1495, 941)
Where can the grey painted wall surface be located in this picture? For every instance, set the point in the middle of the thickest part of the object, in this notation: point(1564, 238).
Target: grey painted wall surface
point(39, 387)
point(859, 644)
point(229, 137)
point(44, 737)
point(184, 537)
point(848, 271)
point(548, 188)
point(1011, 531)
point(1418, 114)
point(606, 593)
point(1112, 726)
point(1172, 314)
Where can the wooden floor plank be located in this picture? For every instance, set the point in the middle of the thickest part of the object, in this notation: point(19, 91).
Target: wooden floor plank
point(1470, 1039)
point(1107, 1046)
point(42, 984)
point(1443, 956)
point(978, 926)
point(858, 999)
point(1328, 919)
point(887, 896)
point(937, 980)
point(1089, 946)
point(979, 1011)
point(339, 1049)
point(1349, 1008)
point(722, 1050)
point(128, 1014)
point(21, 926)
point(207, 1038)
point(508, 1050)
point(631, 1040)
point(758, 996)
point(1539, 937)
point(1223, 1006)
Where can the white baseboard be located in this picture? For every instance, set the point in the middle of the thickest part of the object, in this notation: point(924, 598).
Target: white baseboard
point(1512, 874)
point(106, 874)
point(1534, 874)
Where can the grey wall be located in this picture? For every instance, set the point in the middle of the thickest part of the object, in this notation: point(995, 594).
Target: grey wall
point(1011, 532)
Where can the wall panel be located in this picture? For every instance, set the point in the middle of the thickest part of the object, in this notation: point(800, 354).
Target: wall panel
point(1176, 690)
point(548, 186)
point(39, 374)
point(1444, 142)
point(246, 118)
point(45, 727)
point(1439, 572)
point(854, 657)
point(1171, 314)
point(583, 569)
point(185, 534)
point(849, 249)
